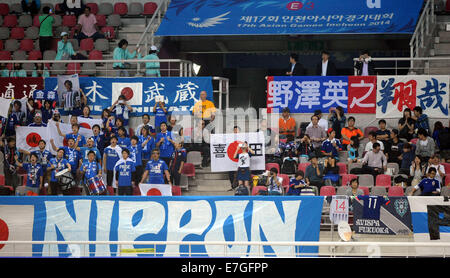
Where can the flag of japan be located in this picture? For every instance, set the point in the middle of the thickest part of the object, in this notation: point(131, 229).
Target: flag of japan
point(89, 123)
point(28, 137)
point(155, 189)
point(132, 92)
point(16, 224)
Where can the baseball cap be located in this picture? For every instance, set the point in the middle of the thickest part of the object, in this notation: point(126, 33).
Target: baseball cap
point(154, 48)
point(38, 114)
point(91, 138)
point(64, 34)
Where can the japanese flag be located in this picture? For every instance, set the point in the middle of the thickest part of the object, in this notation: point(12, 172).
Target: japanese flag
point(89, 123)
point(155, 189)
point(16, 224)
point(132, 92)
point(27, 137)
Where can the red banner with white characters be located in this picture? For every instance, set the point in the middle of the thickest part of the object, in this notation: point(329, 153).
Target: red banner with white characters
point(362, 94)
point(19, 87)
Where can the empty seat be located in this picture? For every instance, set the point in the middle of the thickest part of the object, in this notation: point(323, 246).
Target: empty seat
point(74, 43)
point(15, 8)
point(88, 69)
point(28, 67)
point(341, 190)
point(410, 188)
point(5, 55)
point(57, 8)
point(1, 45)
point(17, 33)
point(25, 20)
point(346, 178)
point(369, 129)
point(1, 20)
point(57, 20)
point(194, 157)
point(93, 6)
point(105, 8)
point(109, 32)
point(32, 33)
point(101, 45)
point(49, 55)
point(4, 33)
point(36, 21)
point(366, 180)
point(4, 9)
point(95, 55)
point(378, 191)
point(87, 44)
point(342, 168)
point(135, 8)
point(273, 165)
point(19, 55)
point(10, 21)
point(258, 188)
point(383, 180)
point(69, 20)
point(58, 68)
point(11, 45)
point(327, 190)
point(73, 68)
point(352, 166)
point(120, 8)
point(365, 189)
point(445, 191)
point(113, 20)
point(394, 166)
point(395, 191)
point(101, 20)
point(150, 8)
point(26, 45)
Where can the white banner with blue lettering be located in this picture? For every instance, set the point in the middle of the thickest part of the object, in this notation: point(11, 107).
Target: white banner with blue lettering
point(165, 219)
point(180, 93)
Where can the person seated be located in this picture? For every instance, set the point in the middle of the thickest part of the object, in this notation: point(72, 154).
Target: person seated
point(17, 71)
point(374, 161)
point(314, 173)
point(383, 134)
point(337, 120)
point(406, 159)
point(40, 71)
point(274, 183)
point(331, 171)
point(87, 26)
point(4, 71)
point(350, 131)
point(354, 190)
point(316, 133)
point(151, 68)
point(425, 146)
point(434, 162)
point(331, 146)
point(304, 149)
point(429, 186)
point(421, 120)
point(406, 125)
point(298, 186)
point(65, 49)
point(372, 140)
point(352, 150)
point(394, 148)
point(30, 6)
point(323, 123)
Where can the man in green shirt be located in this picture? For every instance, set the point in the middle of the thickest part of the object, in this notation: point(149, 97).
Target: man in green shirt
point(45, 29)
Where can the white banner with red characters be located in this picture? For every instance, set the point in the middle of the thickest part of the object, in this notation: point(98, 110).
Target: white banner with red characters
point(148, 189)
point(27, 137)
point(395, 93)
point(362, 94)
point(223, 147)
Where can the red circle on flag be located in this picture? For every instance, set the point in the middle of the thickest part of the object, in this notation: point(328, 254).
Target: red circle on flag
point(127, 92)
point(232, 149)
point(4, 232)
point(65, 142)
point(154, 192)
point(33, 139)
point(85, 125)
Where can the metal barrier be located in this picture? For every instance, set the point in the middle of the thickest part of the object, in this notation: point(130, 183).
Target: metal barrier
point(168, 67)
point(396, 61)
point(79, 249)
point(423, 29)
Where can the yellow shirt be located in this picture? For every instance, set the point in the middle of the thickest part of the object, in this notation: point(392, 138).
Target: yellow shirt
point(205, 107)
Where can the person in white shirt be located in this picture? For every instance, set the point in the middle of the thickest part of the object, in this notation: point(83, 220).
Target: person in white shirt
point(323, 123)
point(434, 163)
point(325, 67)
point(274, 183)
point(145, 122)
point(243, 175)
point(372, 140)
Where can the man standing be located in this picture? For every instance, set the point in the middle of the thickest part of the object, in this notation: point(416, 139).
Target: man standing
point(204, 109)
point(286, 124)
point(295, 68)
point(155, 170)
point(45, 30)
point(325, 67)
point(87, 26)
point(364, 66)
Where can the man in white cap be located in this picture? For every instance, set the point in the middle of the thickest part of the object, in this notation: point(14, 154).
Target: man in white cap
point(152, 68)
point(37, 121)
point(65, 49)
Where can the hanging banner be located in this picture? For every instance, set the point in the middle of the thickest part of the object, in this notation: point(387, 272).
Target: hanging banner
point(19, 87)
point(223, 147)
point(305, 94)
point(376, 215)
point(395, 93)
point(180, 93)
point(431, 222)
point(256, 17)
point(165, 219)
point(362, 94)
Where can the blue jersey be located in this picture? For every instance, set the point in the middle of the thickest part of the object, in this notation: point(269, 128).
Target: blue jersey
point(46, 114)
point(166, 148)
point(59, 164)
point(85, 152)
point(124, 142)
point(147, 149)
point(136, 154)
point(292, 183)
point(82, 141)
point(178, 156)
point(14, 119)
point(73, 156)
point(121, 111)
point(43, 157)
point(372, 205)
point(90, 169)
point(327, 147)
point(34, 174)
point(112, 156)
point(160, 116)
point(156, 171)
point(124, 171)
point(428, 185)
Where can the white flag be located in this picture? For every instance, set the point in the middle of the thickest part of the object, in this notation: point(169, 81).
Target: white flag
point(4, 107)
point(89, 123)
point(16, 224)
point(155, 189)
point(27, 137)
point(65, 129)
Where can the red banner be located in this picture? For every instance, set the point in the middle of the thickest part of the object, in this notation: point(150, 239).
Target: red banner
point(19, 87)
point(362, 94)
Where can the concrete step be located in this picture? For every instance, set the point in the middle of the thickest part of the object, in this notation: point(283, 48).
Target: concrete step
point(207, 193)
point(213, 185)
point(211, 176)
point(439, 71)
point(442, 49)
point(440, 64)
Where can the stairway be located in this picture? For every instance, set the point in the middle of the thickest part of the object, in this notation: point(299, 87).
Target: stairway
point(209, 184)
point(441, 47)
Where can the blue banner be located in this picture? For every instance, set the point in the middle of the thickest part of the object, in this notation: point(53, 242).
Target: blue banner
point(259, 17)
point(305, 94)
point(180, 93)
point(135, 218)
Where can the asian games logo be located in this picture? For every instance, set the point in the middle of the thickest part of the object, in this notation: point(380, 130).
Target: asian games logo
point(197, 22)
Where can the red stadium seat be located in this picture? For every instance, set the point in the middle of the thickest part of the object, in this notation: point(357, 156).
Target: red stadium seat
point(327, 190)
point(414, 141)
point(365, 189)
point(285, 182)
point(87, 44)
point(27, 45)
point(112, 33)
point(256, 189)
point(342, 168)
point(57, 8)
point(188, 170)
point(120, 8)
point(34, 55)
point(136, 191)
point(383, 180)
point(93, 6)
point(302, 166)
point(95, 55)
point(346, 178)
point(5, 55)
point(1, 45)
point(4, 9)
point(17, 33)
point(368, 129)
point(73, 68)
point(101, 20)
point(36, 21)
point(10, 21)
point(110, 190)
point(395, 191)
point(447, 179)
point(69, 20)
point(176, 190)
point(272, 165)
point(150, 8)
point(446, 167)
point(2, 180)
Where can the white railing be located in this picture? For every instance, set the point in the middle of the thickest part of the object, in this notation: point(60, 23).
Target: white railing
point(168, 67)
point(154, 21)
point(335, 248)
point(396, 60)
point(223, 88)
point(424, 27)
